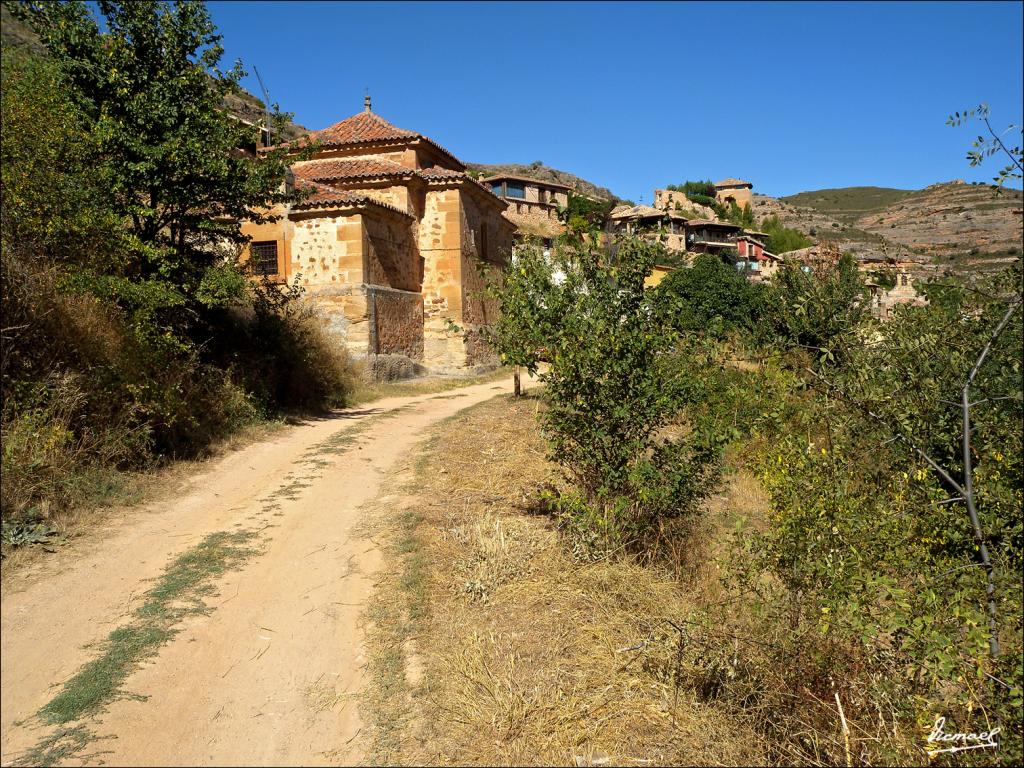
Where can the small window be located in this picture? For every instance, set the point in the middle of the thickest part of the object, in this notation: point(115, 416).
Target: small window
point(515, 190)
point(263, 257)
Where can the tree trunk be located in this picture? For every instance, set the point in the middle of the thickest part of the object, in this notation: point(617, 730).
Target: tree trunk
point(516, 387)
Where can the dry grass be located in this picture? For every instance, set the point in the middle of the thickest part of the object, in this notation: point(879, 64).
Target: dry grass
point(523, 655)
point(365, 391)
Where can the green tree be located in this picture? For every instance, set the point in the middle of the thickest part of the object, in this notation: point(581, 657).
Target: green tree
point(819, 307)
point(585, 214)
point(987, 147)
point(781, 238)
point(710, 297)
point(148, 86)
point(617, 377)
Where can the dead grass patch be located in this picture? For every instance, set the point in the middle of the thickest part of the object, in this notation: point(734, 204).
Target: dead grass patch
point(365, 392)
point(524, 655)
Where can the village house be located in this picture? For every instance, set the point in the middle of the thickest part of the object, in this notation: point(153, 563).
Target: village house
point(389, 243)
point(707, 236)
point(532, 204)
point(734, 191)
point(668, 226)
point(753, 258)
point(891, 283)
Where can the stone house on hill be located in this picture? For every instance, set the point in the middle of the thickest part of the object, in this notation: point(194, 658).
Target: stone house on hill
point(532, 204)
point(388, 242)
point(734, 191)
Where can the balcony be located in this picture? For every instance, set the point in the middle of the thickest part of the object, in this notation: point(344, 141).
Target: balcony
point(714, 238)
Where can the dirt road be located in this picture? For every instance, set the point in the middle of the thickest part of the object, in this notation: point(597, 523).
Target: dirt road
point(267, 675)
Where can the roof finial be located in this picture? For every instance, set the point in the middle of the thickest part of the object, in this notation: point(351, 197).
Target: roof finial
point(366, 101)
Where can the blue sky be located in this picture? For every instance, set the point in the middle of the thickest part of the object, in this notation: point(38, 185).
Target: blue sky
point(633, 96)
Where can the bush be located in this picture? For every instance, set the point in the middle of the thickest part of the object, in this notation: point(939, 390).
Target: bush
point(103, 368)
point(614, 402)
point(782, 239)
point(701, 199)
point(818, 307)
point(710, 297)
point(865, 583)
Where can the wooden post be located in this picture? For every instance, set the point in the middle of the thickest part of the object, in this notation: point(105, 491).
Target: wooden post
point(516, 388)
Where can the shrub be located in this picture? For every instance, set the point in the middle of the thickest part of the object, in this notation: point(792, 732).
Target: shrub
point(614, 402)
point(817, 306)
point(710, 297)
point(865, 584)
point(782, 239)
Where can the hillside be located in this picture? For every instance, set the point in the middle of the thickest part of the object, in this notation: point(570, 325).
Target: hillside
point(17, 34)
point(541, 172)
point(951, 224)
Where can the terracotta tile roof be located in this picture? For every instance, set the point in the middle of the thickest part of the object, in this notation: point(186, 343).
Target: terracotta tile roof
point(367, 127)
point(323, 196)
point(732, 183)
point(329, 170)
point(364, 126)
point(436, 172)
point(527, 179)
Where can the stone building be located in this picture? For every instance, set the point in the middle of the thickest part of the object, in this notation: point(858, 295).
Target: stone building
point(706, 236)
point(532, 204)
point(671, 200)
point(389, 243)
point(753, 258)
point(669, 226)
point(734, 191)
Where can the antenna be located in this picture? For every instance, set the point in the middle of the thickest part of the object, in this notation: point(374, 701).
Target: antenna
point(266, 104)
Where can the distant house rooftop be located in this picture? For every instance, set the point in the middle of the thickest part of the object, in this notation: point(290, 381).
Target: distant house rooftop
point(732, 183)
point(637, 212)
point(525, 180)
point(709, 223)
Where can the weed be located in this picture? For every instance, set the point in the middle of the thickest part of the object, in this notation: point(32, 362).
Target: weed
point(178, 592)
point(58, 746)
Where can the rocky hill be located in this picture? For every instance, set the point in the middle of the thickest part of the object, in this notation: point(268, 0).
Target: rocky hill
point(243, 104)
point(952, 224)
point(541, 172)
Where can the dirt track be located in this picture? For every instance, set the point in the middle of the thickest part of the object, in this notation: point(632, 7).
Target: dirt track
point(268, 675)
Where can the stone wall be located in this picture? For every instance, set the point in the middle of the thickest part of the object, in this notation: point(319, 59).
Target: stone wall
point(392, 256)
point(440, 244)
point(667, 199)
point(534, 218)
point(743, 196)
point(327, 254)
point(396, 322)
point(280, 232)
point(486, 243)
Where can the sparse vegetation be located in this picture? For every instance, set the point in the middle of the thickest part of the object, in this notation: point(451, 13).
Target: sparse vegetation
point(179, 591)
point(131, 335)
point(781, 238)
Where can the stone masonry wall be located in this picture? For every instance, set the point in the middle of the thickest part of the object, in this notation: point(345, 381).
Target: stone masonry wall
point(392, 258)
point(440, 245)
point(485, 243)
point(396, 322)
point(328, 253)
point(743, 196)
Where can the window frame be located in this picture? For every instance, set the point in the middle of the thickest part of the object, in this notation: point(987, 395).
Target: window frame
point(259, 261)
